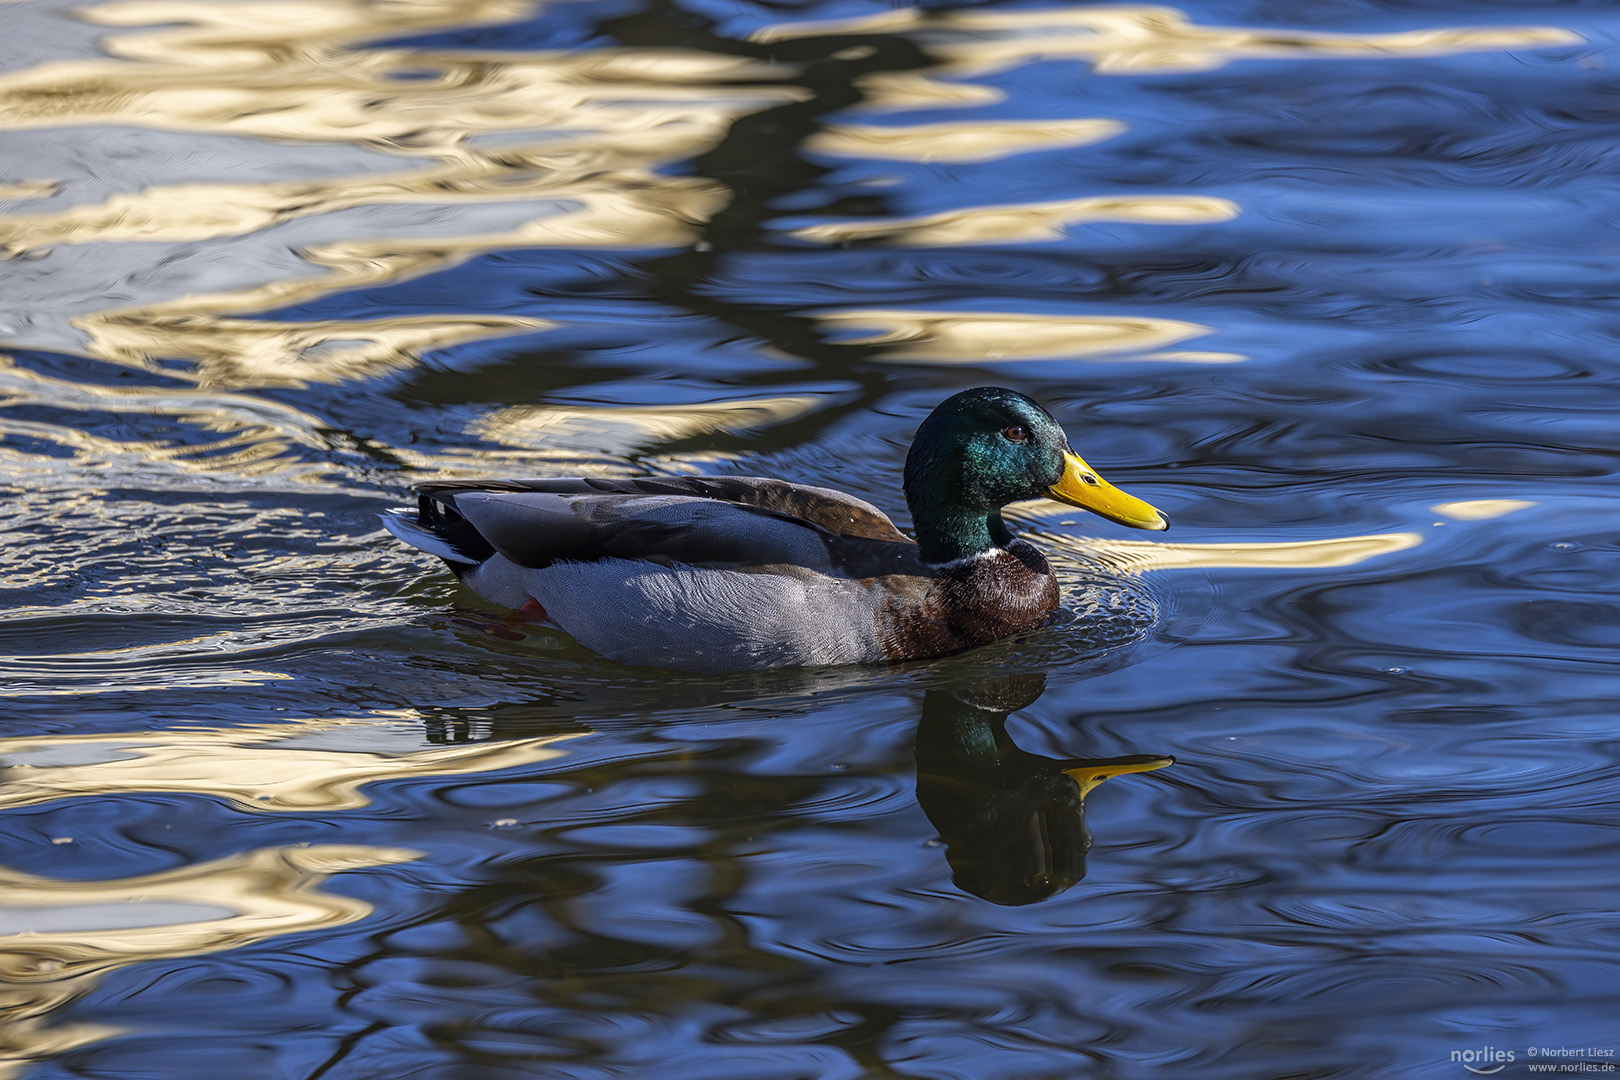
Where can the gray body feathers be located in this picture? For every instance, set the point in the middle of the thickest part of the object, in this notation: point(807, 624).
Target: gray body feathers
point(696, 573)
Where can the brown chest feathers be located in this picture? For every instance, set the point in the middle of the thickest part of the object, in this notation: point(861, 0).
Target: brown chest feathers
point(969, 603)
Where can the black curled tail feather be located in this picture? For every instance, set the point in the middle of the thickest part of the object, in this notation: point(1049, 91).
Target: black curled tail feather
point(438, 515)
point(440, 530)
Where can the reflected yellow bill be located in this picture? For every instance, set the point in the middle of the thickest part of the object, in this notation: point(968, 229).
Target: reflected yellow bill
point(1091, 773)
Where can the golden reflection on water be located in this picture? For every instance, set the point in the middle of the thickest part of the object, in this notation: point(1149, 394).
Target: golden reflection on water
point(583, 136)
point(1139, 556)
point(289, 70)
point(264, 35)
point(1129, 39)
point(965, 140)
point(1481, 509)
point(901, 91)
point(27, 189)
point(59, 938)
point(255, 434)
point(627, 429)
point(577, 206)
point(968, 337)
point(257, 767)
point(1142, 555)
point(1023, 223)
point(239, 352)
point(145, 670)
point(1124, 39)
point(264, 353)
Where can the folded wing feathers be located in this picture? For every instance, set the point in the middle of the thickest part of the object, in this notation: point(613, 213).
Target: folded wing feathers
point(700, 521)
point(835, 511)
point(535, 529)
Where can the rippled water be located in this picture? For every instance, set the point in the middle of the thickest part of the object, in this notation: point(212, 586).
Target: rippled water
point(1333, 284)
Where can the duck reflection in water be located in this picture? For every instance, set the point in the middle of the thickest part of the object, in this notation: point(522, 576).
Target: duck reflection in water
point(1013, 822)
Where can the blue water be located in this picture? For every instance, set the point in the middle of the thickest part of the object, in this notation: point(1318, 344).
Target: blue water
point(281, 801)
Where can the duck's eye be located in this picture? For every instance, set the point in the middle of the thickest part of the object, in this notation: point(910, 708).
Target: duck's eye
point(1015, 433)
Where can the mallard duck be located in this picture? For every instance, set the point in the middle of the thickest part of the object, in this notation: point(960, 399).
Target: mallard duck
point(742, 573)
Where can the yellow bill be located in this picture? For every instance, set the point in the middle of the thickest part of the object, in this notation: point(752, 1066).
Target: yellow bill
point(1081, 486)
point(1088, 774)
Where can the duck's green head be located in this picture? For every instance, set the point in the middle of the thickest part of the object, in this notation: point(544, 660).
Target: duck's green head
point(985, 448)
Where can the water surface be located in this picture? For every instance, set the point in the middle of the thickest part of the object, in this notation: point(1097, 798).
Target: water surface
point(1332, 284)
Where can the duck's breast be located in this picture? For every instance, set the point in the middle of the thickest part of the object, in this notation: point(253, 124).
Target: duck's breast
point(968, 603)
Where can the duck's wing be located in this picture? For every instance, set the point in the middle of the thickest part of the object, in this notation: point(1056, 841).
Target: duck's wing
point(722, 522)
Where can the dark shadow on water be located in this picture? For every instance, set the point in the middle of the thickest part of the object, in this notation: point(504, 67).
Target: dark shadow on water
point(1014, 822)
point(560, 927)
